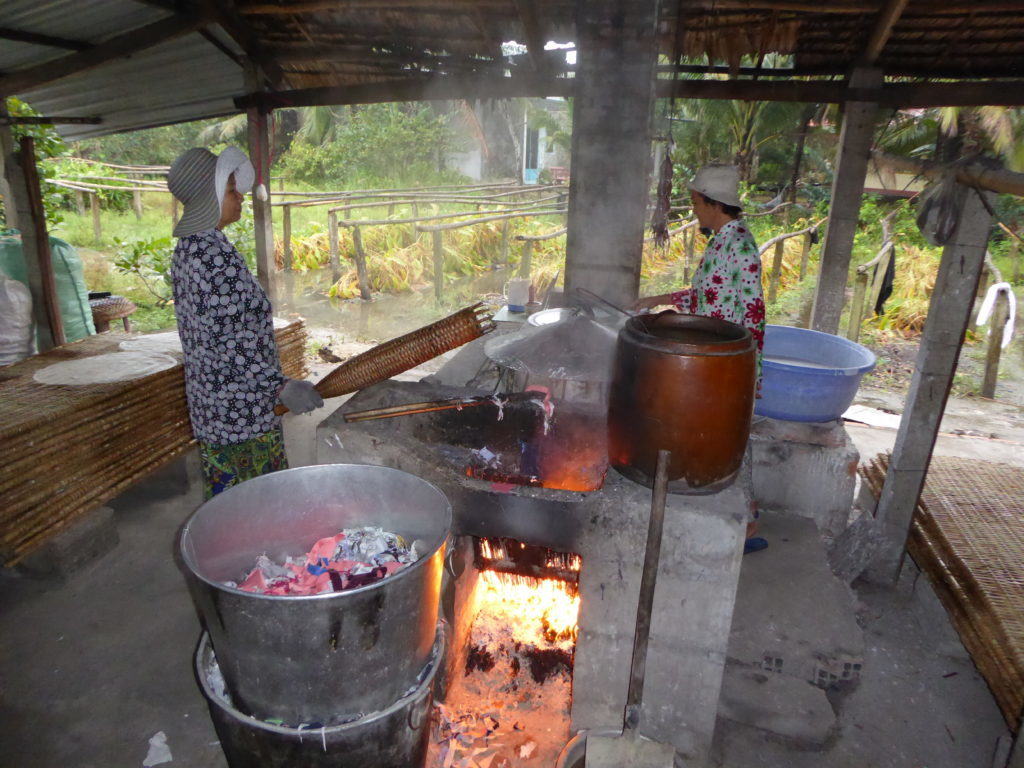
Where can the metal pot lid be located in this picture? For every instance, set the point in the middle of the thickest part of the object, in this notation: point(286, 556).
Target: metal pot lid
point(575, 348)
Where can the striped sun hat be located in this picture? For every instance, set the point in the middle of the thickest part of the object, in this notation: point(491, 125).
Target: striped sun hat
point(198, 179)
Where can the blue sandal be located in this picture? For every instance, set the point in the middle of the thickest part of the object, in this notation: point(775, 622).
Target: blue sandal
point(754, 544)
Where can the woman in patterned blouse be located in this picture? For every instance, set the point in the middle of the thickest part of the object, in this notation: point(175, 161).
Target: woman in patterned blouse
point(233, 376)
point(727, 284)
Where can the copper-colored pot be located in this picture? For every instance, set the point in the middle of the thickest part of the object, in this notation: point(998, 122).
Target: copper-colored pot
point(684, 383)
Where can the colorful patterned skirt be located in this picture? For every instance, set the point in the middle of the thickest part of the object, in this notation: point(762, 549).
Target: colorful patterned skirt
point(227, 465)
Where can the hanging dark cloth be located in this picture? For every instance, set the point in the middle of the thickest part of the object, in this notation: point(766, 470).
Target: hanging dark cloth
point(887, 282)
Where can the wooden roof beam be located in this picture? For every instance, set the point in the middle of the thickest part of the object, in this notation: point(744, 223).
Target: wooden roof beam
point(50, 120)
point(34, 38)
point(535, 37)
point(883, 28)
point(315, 6)
point(117, 47)
point(225, 14)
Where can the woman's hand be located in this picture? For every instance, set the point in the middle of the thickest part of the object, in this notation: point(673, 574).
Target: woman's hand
point(300, 396)
point(650, 302)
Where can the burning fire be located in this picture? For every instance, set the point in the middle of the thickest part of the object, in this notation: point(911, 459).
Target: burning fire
point(541, 612)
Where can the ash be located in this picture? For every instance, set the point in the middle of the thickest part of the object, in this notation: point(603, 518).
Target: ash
point(510, 704)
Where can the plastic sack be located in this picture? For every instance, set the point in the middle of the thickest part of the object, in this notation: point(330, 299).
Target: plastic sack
point(17, 340)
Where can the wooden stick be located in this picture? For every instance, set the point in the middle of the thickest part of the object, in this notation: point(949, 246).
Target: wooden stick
point(503, 254)
point(438, 264)
point(805, 254)
point(430, 406)
point(332, 235)
point(360, 258)
point(97, 231)
point(286, 235)
point(773, 287)
point(1000, 315)
point(860, 287)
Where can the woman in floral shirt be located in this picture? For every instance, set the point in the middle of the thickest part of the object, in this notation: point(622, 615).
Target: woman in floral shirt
point(727, 284)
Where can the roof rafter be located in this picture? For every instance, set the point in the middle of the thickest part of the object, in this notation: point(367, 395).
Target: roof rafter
point(225, 13)
point(883, 28)
point(34, 38)
point(117, 47)
point(535, 41)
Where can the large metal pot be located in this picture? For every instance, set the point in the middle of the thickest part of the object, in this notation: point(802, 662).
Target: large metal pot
point(395, 737)
point(683, 383)
point(315, 658)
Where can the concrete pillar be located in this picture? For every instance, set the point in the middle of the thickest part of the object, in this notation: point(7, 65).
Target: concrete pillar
point(855, 140)
point(259, 154)
point(948, 315)
point(611, 146)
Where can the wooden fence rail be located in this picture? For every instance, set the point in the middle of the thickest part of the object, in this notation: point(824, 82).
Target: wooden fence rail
point(778, 242)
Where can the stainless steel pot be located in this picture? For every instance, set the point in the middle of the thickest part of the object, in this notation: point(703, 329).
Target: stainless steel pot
point(395, 737)
point(315, 658)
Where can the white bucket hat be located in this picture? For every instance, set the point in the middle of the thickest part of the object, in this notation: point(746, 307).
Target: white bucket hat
point(199, 178)
point(720, 183)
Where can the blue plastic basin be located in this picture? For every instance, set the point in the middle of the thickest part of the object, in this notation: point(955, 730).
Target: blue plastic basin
point(809, 375)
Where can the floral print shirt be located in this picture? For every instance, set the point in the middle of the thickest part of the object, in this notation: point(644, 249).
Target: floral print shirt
point(727, 284)
point(232, 371)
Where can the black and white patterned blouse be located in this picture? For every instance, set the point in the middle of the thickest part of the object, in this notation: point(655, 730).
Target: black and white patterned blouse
point(232, 371)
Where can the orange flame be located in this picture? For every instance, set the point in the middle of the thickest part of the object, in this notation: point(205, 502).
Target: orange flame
point(541, 612)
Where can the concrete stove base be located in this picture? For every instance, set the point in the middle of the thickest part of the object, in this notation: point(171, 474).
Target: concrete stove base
point(696, 583)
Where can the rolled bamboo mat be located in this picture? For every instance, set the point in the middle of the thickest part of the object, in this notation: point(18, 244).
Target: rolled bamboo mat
point(69, 449)
point(404, 353)
point(967, 535)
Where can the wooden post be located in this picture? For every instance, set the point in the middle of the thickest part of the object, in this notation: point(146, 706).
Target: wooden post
point(773, 286)
point(362, 276)
point(36, 246)
point(415, 210)
point(526, 260)
point(690, 241)
point(611, 146)
point(1015, 258)
point(97, 229)
point(332, 235)
point(280, 184)
point(860, 289)
point(855, 139)
point(972, 325)
point(262, 212)
point(805, 254)
point(286, 235)
point(438, 264)
point(136, 197)
point(1000, 314)
point(391, 210)
point(174, 211)
point(948, 315)
point(80, 202)
point(879, 279)
point(503, 256)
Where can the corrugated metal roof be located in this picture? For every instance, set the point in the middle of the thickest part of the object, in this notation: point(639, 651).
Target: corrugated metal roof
point(185, 79)
point(88, 21)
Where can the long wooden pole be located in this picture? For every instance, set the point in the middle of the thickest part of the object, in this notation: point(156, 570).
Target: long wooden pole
point(948, 315)
point(42, 256)
point(97, 225)
point(263, 222)
point(1000, 315)
point(360, 257)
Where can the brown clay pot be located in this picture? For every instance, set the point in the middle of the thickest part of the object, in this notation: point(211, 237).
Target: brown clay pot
point(683, 383)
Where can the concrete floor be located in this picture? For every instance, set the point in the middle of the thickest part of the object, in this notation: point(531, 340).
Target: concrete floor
point(92, 668)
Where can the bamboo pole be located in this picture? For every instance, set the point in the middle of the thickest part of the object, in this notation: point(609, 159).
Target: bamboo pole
point(97, 231)
point(286, 235)
point(332, 234)
point(773, 287)
point(511, 214)
point(860, 288)
point(438, 263)
point(484, 219)
point(503, 254)
point(360, 257)
point(136, 200)
point(1000, 315)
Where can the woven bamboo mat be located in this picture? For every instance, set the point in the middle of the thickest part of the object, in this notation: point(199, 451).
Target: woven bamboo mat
point(69, 449)
point(968, 537)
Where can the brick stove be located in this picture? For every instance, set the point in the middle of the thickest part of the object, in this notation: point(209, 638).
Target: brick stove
point(607, 528)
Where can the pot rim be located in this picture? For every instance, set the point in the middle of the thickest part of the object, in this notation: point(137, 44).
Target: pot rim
point(189, 560)
point(635, 331)
point(205, 649)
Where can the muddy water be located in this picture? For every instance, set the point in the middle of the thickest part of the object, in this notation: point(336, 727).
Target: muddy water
point(386, 315)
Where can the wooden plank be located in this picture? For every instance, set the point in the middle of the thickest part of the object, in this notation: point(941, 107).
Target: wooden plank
point(360, 258)
point(40, 253)
point(948, 314)
point(1000, 314)
point(855, 139)
point(118, 47)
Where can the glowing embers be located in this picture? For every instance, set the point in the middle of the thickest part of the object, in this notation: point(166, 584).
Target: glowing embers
point(571, 455)
point(508, 703)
